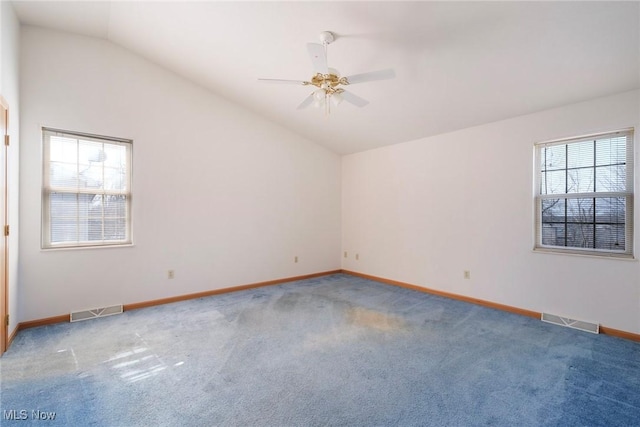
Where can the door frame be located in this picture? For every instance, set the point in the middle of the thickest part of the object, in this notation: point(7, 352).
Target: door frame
point(4, 221)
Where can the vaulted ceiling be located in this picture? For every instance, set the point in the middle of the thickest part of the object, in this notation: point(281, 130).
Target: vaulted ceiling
point(457, 64)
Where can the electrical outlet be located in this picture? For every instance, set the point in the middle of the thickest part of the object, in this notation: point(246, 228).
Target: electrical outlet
point(467, 274)
point(345, 254)
point(357, 257)
point(295, 259)
point(171, 274)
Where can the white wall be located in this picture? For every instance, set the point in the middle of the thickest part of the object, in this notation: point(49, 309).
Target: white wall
point(221, 196)
point(225, 198)
point(9, 89)
point(422, 212)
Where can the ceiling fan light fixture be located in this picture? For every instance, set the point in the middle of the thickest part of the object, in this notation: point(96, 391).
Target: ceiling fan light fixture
point(336, 98)
point(319, 98)
point(319, 95)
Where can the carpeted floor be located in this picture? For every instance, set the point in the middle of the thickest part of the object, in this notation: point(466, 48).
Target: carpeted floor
point(335, 350)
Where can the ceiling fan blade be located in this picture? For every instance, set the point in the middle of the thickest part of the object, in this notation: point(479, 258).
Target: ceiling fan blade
point(282, 81)
point(353, 99)
point(318, 58)
point(371, 76)
point(307, 101)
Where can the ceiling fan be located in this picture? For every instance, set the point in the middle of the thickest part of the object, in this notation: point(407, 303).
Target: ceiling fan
point(328, 80)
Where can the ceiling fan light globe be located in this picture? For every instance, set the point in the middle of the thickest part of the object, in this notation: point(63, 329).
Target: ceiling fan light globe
point(336, 99)
point(319, 95)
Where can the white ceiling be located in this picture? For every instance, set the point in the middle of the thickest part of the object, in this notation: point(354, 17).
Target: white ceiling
point(458, 64)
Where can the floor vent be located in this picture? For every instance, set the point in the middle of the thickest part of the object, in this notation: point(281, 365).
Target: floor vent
point(76, 316)
point(594, 328)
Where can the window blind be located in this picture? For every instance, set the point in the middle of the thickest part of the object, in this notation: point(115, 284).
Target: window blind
point(86, 190)
point(584, 200)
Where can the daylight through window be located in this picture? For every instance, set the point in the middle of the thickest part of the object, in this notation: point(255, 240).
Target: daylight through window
point(86, 190)
point(585, 194)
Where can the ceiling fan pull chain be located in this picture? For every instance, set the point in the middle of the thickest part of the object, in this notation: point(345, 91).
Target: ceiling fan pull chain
point(327, 101)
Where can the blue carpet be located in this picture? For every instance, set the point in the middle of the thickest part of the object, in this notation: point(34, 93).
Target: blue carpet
point(335, 350)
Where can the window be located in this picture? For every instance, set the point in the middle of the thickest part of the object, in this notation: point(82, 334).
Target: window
point(86, 197)
point(584, 201)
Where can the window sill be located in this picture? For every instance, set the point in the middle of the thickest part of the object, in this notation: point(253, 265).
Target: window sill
point(76, 248)
point(585, 255)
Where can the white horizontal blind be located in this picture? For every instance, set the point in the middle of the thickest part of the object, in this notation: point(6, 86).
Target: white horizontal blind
point(86, 190)
point(584, 197)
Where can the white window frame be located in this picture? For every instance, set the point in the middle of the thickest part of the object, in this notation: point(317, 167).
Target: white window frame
point(48, 189)
point(628, 194)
